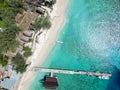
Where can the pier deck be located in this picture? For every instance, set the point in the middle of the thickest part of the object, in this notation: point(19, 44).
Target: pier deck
point(97, 74)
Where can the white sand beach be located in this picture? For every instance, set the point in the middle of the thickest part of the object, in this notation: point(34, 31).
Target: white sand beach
point(45, 43)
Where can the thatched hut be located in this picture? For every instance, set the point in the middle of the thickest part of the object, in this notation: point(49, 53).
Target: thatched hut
point(28, 33)
point(40, 10)
point(22, 43)
point(24, 38)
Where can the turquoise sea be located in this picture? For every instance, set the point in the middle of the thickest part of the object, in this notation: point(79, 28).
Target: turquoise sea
point(91, 39)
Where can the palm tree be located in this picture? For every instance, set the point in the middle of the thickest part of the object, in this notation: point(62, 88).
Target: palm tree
point(42, 23)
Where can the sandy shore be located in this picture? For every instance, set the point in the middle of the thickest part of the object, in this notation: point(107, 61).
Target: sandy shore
point(45, 43)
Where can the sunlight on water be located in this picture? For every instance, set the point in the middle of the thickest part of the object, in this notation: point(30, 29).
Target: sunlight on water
point(91, 42)
point(103, 36)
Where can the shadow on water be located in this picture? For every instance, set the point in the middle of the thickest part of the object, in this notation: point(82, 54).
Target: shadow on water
point(41, 80)
point(114, 83)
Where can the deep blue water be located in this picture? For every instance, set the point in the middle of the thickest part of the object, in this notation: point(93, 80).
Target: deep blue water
point(91, 39)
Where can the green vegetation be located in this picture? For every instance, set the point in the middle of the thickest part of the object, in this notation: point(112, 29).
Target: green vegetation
point(1, 24)
point(30, 40)
point(8, 39)
point(8, 11)
point(15, 5)
point(42, 22)
point(53, 2)
point(41, 1)
point(8, 25)
point(3, 4)
point(16, 44)
point(3, 60)
point(27, 52)
point(19, 63)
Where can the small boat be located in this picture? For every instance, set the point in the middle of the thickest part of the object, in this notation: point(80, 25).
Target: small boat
point(59, 42)
point(103, 77)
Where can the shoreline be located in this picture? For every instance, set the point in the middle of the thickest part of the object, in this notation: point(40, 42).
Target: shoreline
point(46, 42)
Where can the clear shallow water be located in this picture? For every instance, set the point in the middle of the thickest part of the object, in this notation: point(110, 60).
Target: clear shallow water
point(91, 39)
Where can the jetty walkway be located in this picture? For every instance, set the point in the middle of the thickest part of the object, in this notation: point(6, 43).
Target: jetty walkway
point(97, 74)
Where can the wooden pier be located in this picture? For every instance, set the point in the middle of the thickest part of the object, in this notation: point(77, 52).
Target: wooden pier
point(97, 74)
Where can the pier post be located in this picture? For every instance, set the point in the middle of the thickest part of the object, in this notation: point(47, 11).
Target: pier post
point(51, 74)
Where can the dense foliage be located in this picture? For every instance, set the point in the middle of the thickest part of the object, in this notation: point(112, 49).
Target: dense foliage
point(42, 22)
point(8, 39)
point(7, 23)
point(19, 63)
point(41, 1)
point(3, 60)
point(27, 52)
point(15, 5)
point(53, 2)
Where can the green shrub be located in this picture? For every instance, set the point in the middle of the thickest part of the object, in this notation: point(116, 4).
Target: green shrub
point(3, 60)
point(19, 63)
point(42, 22)
point(53, 2)
point(27, 52)
point(1, 24)
point(30, 40)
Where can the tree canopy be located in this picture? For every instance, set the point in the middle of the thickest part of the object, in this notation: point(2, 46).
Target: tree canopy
point(27, 52)
point(8, 39)
point(42, 22)
point(19, 63)
point(3, 60)
point(9, 27)
point(41, 1)
point(53, 2)
point(16, 5)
